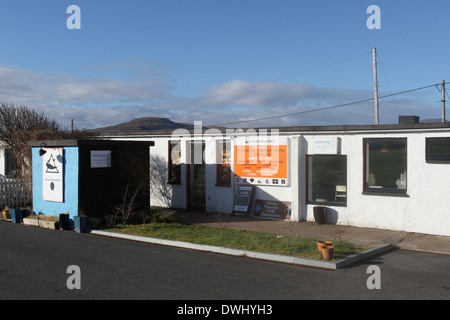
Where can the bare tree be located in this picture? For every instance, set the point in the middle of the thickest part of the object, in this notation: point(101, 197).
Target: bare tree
point(336, 232)
point(14, 119)
point(22, 152)
point(20, 124)
point(128, 206)
point(222, 220)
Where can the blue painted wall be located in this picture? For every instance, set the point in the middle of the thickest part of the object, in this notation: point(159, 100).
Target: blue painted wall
point(71, 170)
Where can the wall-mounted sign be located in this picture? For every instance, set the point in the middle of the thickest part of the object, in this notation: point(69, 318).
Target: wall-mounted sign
point(261, 162)
point(100, 158)
point(52, 175)
point(325, 145)
point(243, 200)
point(272, 209)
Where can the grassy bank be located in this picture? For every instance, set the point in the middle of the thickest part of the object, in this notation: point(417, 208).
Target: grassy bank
point(237, 239)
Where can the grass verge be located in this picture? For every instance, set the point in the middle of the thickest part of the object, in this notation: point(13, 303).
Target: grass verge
point(238, 239)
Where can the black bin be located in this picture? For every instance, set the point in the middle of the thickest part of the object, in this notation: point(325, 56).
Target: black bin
point(64, 221)
point(319, 214)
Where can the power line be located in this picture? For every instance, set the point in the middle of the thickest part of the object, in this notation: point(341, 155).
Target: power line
point(327, 108)
point(324, 66)
point(387, 82)
point(255, 85)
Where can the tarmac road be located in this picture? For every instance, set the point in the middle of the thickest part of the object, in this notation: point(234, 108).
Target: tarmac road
point(34, 263)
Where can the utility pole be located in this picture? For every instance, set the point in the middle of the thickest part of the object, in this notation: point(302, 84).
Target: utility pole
point(375, 84)
point(443, 101)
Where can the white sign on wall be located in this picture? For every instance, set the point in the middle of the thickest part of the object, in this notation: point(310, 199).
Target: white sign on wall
point(100, 158)
point(52, 175)
point(325, 145)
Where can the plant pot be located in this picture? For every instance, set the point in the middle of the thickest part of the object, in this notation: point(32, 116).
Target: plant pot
point(81, 223)
point(31, 222)
point(321, 244)
point(319, 214)
point(16, 215)
point(6, 214)
point(53, 225)
point(64, 221)
point(327, 252)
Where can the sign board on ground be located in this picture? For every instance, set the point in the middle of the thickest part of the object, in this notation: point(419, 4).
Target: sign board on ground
point(272, 209)
point(243, 200)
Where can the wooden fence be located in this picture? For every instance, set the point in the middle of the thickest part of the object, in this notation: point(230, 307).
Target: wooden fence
point(15, 193)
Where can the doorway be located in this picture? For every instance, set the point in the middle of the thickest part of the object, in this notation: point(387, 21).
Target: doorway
point(197, 175)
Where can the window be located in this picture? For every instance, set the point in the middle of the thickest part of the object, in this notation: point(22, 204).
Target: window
point(385, 163)
point(10, 164)
point(438, 149)
point(327, 179)
point(174, 162)
point(223, 163)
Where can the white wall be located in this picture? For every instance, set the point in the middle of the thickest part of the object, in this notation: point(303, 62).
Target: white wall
point(176, 194)
point(2, 161)
point(218, 198)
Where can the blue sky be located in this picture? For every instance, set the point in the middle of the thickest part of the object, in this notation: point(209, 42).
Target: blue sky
point(222, 61)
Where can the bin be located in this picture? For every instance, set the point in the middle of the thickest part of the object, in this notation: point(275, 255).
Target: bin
point(16, 215)
point(319, 214)
point(81, 223)
point(64, 221)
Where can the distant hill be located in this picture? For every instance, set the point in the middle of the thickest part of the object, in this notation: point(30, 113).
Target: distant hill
point(147, 124)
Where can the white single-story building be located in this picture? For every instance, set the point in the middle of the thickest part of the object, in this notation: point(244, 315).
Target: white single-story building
point(394, 176)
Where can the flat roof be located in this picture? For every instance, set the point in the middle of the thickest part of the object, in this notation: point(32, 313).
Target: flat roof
point(89, 143)
point(421, 126)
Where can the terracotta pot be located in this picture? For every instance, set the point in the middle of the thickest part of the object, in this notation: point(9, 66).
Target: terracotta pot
point(327, 252)
point(321, 244)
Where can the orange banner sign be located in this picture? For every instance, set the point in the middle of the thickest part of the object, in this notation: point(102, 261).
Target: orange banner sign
point(261, 164)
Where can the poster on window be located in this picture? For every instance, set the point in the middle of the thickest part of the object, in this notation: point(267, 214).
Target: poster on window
point(261, 162)
point(52, 175)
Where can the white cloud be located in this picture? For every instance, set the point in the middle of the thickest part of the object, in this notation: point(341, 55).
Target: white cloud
point(102, 101)
point(261, 94)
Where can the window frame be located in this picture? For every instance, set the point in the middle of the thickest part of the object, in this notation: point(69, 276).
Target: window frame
point(10, 164)
point(436, 157)
point(174, 171)
point(328, 203)
point(384, 191)
point(220, 146)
